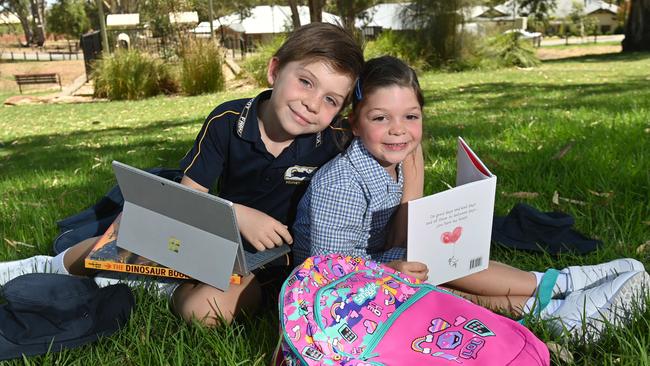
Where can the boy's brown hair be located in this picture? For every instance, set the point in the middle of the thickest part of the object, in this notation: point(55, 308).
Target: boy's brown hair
point(323, 42)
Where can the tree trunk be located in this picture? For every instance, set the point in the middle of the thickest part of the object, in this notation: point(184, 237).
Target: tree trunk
point(295, 16)
point(21, 9)
point(347, 13)
point(315, 10)
point(637, 27)
point(27, 29)
point(38, 16)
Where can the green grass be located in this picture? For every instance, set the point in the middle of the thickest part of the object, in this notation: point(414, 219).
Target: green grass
point(55, 161)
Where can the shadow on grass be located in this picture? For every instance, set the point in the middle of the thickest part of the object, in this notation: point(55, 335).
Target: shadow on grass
point(513, 97)
point(604, 57)
point(89, 154)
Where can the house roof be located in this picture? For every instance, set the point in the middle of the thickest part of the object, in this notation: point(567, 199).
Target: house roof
point(386, 16)
point(490, 12)
point(264, 19)
point(564, 7)
point(122, 20)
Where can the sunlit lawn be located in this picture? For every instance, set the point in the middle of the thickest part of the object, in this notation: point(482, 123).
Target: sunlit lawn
point(578, 127)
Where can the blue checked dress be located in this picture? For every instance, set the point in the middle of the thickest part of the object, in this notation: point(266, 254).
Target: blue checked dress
point(347, 208)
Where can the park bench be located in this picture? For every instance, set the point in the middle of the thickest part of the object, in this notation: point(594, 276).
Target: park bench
point(27, 79)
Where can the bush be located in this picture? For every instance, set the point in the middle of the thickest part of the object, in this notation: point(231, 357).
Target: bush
point(400, 45)
point(509, 50)
point(256, 65)
point(130, 74)
point(201, 70)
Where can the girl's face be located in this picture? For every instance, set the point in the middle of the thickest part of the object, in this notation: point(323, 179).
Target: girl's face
point(389, 122)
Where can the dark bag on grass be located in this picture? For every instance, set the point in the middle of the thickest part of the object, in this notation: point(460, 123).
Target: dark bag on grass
point(94, 220)
point(47, 312)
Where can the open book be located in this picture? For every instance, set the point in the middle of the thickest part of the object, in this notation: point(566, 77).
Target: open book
point(450, 231)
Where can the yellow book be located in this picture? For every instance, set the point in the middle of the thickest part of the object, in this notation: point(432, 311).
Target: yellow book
point(107, 256)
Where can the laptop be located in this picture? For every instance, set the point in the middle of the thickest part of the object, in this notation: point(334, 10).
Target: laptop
point(193, 232)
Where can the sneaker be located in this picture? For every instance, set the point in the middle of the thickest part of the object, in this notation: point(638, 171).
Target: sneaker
point(586, 312)
point(585, 277)
point(13, 269)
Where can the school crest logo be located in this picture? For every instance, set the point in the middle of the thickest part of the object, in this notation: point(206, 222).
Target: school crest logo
point(298, 174)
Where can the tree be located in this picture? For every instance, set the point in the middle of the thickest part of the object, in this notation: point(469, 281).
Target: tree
point(31, 14)
point(592, 27)
point(538, 9)
point(577, 17)
point(316, 10)
point(38, 21)
point(68, 17)
point(637, 28)
point(437, 24)
point(21, 9)
point(349, 10)
point(295, 16)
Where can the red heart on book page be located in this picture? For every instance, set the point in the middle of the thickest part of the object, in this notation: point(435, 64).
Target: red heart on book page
point(451, 237)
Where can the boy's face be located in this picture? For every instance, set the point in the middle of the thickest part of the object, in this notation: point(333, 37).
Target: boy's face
point(306, 96)
point(389, 123)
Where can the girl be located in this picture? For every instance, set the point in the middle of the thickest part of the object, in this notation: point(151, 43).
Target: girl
point(351, 199)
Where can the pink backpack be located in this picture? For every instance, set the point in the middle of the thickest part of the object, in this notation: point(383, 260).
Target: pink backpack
point(337, 310)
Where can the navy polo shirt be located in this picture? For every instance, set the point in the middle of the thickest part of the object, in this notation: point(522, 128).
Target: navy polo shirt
point(229, 150)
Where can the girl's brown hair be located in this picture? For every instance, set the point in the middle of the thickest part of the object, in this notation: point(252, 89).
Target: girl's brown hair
point(382, 72)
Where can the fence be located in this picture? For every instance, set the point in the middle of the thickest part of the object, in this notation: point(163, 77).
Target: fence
point(40, 56)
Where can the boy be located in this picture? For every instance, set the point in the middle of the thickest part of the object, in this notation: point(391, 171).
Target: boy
point(263, 152)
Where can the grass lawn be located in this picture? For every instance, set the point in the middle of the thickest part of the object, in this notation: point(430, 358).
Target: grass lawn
point(579, 127)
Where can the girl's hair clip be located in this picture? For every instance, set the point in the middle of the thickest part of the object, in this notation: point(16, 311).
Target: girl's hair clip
point(357, 90)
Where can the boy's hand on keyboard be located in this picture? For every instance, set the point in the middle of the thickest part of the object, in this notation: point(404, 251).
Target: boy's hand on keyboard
point(261, 230)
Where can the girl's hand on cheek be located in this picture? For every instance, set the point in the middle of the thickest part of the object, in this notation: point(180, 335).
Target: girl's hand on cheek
point(413, 269)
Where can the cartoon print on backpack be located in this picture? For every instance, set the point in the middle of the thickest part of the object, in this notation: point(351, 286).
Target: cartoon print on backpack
point(471, 349)
point(477, 327)
point(441, 335)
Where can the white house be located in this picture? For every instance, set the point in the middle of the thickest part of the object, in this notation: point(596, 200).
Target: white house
point(392, 16)
point(507, 13)
point(264, 22)
point(605, 14)
point(398, 17)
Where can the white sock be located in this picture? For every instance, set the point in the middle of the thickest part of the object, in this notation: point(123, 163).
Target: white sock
point(561, 284)
point(552, 306)
point(13, 269)
point(57, 263)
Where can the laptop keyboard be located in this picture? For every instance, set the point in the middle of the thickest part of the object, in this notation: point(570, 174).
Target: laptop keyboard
point(258, 259)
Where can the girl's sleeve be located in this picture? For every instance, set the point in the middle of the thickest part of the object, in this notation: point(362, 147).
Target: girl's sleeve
point(390, 255)
point(336, 218)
